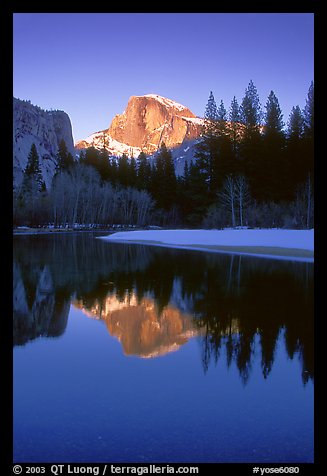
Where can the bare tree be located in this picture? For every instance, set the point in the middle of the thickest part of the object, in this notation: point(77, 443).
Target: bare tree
point(79, 196)
point(235, 196)
point(144, 205)
point(72, 195)
point(304, 204)
point(91, 194)
point(309, 201)
point(134, 206)
point(228, 196)
point(126, 205)
point(108, 204)
point(242, 195)
point(61, 198)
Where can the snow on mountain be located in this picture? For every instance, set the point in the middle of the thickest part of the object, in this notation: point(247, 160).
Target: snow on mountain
point(195, 120)
point(102, 139)
point(146, 122)
point(165, 101)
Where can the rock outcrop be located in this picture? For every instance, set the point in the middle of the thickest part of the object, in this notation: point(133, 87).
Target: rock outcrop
point(43, 128)
point(147, 122)
point(152, 119)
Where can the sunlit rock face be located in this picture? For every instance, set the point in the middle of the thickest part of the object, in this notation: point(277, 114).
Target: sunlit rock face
point(147, 122)
point(151, 119)
point(43, 128)
point(141, 329)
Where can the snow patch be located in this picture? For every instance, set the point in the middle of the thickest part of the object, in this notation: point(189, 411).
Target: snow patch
point(113, 146)
point(166, 102)
point(195, 120)
point(272, 238)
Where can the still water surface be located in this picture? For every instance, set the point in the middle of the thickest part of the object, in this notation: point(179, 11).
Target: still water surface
point(133, 353)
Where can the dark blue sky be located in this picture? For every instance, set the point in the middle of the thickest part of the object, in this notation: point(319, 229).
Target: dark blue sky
point(89, 64)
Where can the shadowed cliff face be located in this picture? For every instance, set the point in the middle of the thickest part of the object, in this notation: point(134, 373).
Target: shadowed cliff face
point(43, 128)
point(140, 328)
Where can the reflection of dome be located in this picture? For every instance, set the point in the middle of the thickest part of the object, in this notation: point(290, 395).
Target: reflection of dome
point(139, 327)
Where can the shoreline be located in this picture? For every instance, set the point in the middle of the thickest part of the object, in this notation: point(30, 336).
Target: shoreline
point(270, 252)
point(45, 231)
point(169, 239)
point(295, 245)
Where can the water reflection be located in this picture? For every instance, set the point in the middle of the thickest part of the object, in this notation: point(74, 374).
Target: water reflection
point(39, 310)
point(153, 300)
point(140, 328)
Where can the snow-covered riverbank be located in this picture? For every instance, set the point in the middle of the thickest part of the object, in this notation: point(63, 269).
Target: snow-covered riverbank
point(276, 243)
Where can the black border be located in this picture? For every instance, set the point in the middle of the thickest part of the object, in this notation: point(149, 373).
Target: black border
point(7, 10)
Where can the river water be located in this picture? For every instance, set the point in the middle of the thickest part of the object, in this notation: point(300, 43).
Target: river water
point(133, 353)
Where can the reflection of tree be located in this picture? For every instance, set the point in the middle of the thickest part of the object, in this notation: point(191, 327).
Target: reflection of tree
point(272, 297)
point(237, 302)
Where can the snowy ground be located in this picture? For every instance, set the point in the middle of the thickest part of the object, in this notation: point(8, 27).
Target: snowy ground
point(277, 243)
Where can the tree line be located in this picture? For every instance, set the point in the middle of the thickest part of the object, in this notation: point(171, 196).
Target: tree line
point(247, 169)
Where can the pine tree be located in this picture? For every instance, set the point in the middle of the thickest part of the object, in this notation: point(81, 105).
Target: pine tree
point(221, 126)
point(295, 125)
point(226, 162)
point(221, 112)
point(250, 146)
point(186, 173)
point(132, 176)
point(112, 170)
point(92, 157)
point(308, 114)
point(123, 171)
point(273, 118)
point(32, 187)
point(103, 164)
point(65, 159)
point(207, 149)
point(194, 196)
point(308, 134)
point(235, 127)
point(143, 172)
point(295, 152)
point(164, 179)
point(234, 111)
point(211, 112)
point(271, 166)
point(32, 172)
point(250, 111)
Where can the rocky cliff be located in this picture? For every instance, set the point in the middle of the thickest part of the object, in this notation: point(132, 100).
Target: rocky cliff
point(43, 128)
point(147, 122)
point(151, 119)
